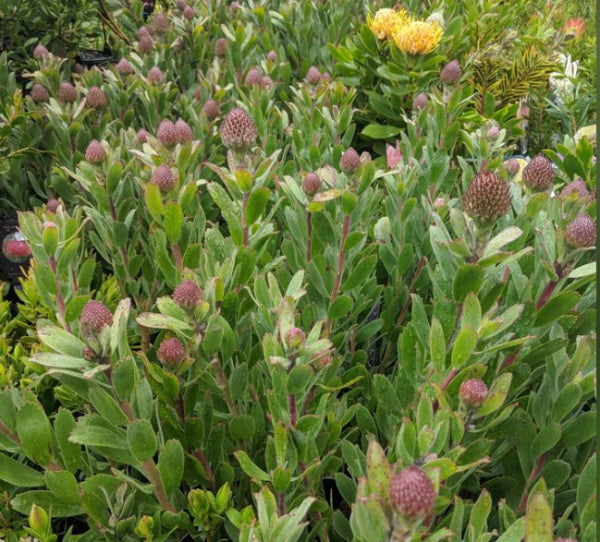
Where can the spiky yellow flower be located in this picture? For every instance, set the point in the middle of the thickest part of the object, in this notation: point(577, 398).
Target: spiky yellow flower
point(418, 37)
point(386, 21)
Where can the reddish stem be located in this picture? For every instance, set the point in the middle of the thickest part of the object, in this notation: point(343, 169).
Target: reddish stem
point(309, 239)
point(537, 468)
point(340, 271)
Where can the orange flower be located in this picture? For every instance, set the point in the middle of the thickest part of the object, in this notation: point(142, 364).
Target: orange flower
point(575, 27)
point(418, 37)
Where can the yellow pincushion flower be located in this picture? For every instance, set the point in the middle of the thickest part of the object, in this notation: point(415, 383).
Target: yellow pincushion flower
point(418, 37)
point(386, 21)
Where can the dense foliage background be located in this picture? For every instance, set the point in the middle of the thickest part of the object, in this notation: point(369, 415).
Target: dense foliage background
point(251, 326)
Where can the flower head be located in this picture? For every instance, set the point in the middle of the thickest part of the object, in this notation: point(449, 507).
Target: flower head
point(187, 294)
point(95, 153)
point(393, 155)
point(238, 131)
point(40, 51)
point(39, 93)
point(350, 161)
point(171, 351)
point(95, 98)
point(311, 184)
point(163, 177)
point(581, 232)
point(167, 133)
point(575, 27)
point(94, 316)
point(473, 392)
point(386, 21)
point(418, 37)
point(67, 92)
point(487, 198)
point(412, 493)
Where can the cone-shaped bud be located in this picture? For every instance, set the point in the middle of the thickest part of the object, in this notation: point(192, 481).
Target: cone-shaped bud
point(171, 351)
point(538, 174)
point(311, 184)
point(451, 73)
point(221, 46)
point(238, 131)
point(420, 101)
point(211, 109)
point(266, 82)
point(271, 56)
point(52, 205)
point(350, 161)
point(124, 67)
point(473, 392)
point(493, 133)
point(142, 31)
point(581, 232)
point(512, 166)
point(145, 45)
point(94, 316)
point(187, 295)
point(313, 75)
point(184, 132)
point(40, 52)
point(181, 5)
point(163, 177)
point(189, 13)
point(566, 540)
point(167, 134)
point(253, 77)
point(67, 92)
point(78, 68)
point(578, 187)
point(95, 98)
point(412, 494)
point(161, 23)
point(142, 136)
point(39, 93)
point(326, 77)
point(487, 198)
point(155, 76)
point(95, 153)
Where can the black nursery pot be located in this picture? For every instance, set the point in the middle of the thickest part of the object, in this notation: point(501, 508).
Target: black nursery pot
point(93, 57)
point(149, 6)
point(13, 256)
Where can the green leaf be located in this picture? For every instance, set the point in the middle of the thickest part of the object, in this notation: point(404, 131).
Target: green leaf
point(60, 340)
point(251, 468)
point(124, 379)
point(173, 222)
point(471, 313)
point(583, 271)
point(141, 440)
point(299, 379)
point(567, 401)
point(154, 201)
point(586, 485)
point(556, 307)
point(242, 427)
point(539, 524)
point(281, 479)
point(579, 430)
point(34, 432)
point(113, 177)
point(360, 273)
point(437, 345)
point(17, 474)
point(257, 203)
point(479, 514)
point(464, 345)
point(23, 502)
point(64, 423)
point(64, 486)
point(545, 440)
point(107, 407)
point(506, 236)
point(468, 278)
point(380, 131)
point(341, 306)
point(170, 465)
point(514, 533)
